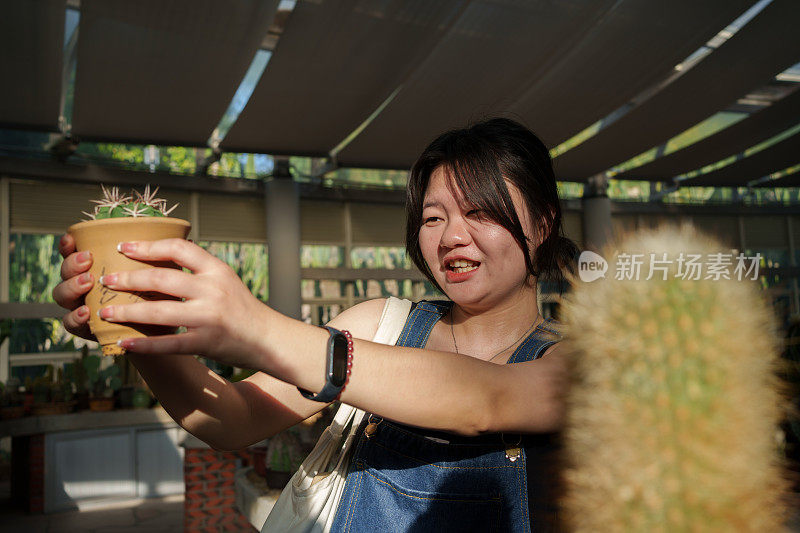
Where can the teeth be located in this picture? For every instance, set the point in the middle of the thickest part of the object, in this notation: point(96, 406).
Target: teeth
point(463, 265)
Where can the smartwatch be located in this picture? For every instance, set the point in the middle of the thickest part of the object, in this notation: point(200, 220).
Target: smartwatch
point(335, 368)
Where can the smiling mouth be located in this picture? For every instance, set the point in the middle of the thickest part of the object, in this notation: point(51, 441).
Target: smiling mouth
point(461, 266)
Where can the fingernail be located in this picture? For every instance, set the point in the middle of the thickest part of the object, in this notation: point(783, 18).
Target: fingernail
point(106, 313)
point(84, 257)
point(128, 344)
point(126, 247)
point(83, 311)
point(108, 279)
point(85, 278)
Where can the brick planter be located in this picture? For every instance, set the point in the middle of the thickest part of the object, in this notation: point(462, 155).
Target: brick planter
point(210, 500)
point(27, 472)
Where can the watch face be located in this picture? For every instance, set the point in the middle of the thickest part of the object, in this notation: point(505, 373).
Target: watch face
point(339, 360)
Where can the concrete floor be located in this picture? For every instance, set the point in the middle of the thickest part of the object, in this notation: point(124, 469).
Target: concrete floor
point(154, 515)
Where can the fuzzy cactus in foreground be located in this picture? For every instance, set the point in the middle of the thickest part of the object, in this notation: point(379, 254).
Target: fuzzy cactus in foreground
point(674, 409)
point(117, 205)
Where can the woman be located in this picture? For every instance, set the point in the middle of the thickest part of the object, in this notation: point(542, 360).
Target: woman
point(467, 445)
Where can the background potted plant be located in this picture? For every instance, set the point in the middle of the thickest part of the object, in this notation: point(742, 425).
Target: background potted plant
point(116, 218)
point(142, 399)
point(41, 387)
point(11, 400)
point(283, 457)
point(102, 383)
point(51, 395)
point(76, 374)
point(63, 390)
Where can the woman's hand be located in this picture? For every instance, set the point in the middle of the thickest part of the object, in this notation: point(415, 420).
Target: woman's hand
point(70, 293)
point(224, 320)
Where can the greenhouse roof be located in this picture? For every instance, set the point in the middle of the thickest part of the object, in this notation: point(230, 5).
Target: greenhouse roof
point(369, 84)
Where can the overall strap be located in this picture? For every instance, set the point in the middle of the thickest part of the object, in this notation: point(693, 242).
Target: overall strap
point(420, 322)
point(545, 335)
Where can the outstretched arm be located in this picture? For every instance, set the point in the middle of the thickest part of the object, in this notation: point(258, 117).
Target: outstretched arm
point(228, 416)
point(430, 389)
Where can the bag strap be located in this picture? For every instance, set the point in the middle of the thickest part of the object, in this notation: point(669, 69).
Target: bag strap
point(393, 318)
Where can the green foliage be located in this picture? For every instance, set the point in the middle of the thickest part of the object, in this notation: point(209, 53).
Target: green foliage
point(248, 260)
point(35, 271)
point(35, 267)
point(77, 372)
point(41, 388)
point(102, 383)
point(321, 256)
point(284, 452)
point(62, 388)
point(242, 374)
point(180, 159)
point(380, 257)
point(32, 335)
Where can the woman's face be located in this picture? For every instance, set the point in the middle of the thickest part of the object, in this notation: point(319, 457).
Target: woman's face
point(476, 261)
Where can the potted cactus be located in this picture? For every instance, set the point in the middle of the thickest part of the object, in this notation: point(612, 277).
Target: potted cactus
point(41, 388)
point(62, 390)
point(116, 218)
point(674, 408)
point(102, 383)
point(51, 395)
point(142, 399)
point(76, 373)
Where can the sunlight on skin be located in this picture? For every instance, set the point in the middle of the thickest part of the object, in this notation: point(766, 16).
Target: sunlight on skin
point(206, 416)
point(217, 377)
point(198, 414)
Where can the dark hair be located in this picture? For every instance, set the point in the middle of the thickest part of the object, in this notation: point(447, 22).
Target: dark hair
point(478, 158)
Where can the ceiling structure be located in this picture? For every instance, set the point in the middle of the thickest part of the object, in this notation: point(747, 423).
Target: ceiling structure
point(31, 38)
point(174, 65)
point(735, 139)
point(369, 83)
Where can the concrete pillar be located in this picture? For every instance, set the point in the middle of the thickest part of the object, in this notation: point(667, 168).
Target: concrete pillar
point(282, 203)
point(597, 226)
point(5, 267)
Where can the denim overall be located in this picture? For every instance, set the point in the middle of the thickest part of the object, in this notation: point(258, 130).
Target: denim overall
point(409, 479)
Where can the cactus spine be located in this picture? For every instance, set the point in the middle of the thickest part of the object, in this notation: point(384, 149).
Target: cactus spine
point(674, 408)
point(117, 205)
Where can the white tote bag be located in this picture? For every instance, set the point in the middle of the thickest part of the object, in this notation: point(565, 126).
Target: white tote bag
point(309, 501)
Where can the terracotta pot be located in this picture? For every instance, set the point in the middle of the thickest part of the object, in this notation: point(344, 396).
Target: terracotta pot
point(52, 408)
point(27, 402)
point(101, 404)
point(101, 238)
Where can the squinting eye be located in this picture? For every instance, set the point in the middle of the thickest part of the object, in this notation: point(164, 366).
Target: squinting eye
point(430, 219)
